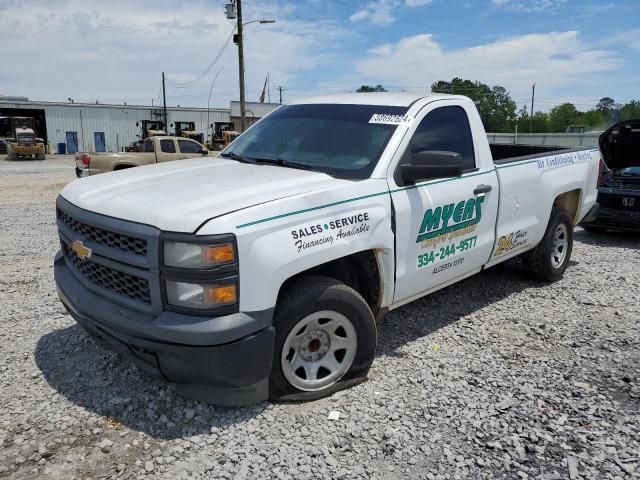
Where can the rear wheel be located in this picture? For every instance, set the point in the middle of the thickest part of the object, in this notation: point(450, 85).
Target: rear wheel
point(549, 260)
point(325, 339)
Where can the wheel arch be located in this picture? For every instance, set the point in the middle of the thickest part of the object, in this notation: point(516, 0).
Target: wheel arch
point(569, 201)
point(362, 271)
point(122, 166)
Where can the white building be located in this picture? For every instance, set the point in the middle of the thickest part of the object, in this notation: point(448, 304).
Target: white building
point(88, 126)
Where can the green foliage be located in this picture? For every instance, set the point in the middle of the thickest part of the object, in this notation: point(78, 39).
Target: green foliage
point(495, 106)
point(540, 122)
point(630, 110)
point(498, 110)
point(367, 88)
point(606, 105)
point(560, 117)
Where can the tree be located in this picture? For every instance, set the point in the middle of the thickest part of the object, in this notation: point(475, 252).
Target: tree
point(495, 106)
point(367, 88)
point(606, 105)
point(562, 116)
point(630, 110)
point(593, 119)
point(540, 121)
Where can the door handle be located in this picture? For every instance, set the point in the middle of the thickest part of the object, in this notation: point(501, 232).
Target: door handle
point(482, 189)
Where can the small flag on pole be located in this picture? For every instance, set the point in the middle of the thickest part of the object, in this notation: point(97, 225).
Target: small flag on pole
point(264, 89)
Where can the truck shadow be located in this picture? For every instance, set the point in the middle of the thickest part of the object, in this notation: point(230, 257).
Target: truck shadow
point(629, 240)
point(433, 312)
point(109, 385)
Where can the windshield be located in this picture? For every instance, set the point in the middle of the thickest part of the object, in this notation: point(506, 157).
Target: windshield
point(23, 123)
point(334, 139)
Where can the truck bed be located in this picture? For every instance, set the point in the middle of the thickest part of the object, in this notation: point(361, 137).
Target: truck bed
point(505, 153)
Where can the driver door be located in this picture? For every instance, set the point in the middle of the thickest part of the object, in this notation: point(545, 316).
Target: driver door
point(444, 227)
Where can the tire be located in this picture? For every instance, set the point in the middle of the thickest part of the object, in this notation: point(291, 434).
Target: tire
point(550, 258)
point(315, 317)
point(593, 229)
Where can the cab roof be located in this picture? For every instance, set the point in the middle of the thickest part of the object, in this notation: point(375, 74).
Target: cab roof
point(395, 99)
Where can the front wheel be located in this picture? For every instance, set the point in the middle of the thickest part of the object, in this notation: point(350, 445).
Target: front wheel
point(325, 339)
point(548, 261)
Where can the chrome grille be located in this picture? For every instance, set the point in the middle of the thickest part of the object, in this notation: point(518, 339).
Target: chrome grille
point(108, 278)
point(126, 243)
point(26, 139)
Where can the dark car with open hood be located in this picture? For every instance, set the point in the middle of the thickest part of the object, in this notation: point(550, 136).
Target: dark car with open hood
point(619, 185)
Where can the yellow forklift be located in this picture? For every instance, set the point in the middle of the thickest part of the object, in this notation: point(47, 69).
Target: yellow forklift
point(222, 134)
point(18, 136)
point(188, 130)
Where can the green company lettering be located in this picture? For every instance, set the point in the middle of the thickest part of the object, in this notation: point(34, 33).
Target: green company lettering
point(463, 214)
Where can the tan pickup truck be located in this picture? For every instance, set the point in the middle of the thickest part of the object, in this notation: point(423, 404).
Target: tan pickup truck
point(154, 150)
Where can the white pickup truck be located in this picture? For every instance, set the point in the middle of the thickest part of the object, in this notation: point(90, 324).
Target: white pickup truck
point(260, 274)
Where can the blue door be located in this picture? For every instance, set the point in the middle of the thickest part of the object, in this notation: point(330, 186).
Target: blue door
point(99, 141)
point(72, 142)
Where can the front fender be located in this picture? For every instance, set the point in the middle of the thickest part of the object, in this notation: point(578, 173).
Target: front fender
point(281, 239)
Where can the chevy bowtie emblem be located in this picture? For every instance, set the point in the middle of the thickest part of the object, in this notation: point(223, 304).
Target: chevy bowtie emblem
point(80, 250)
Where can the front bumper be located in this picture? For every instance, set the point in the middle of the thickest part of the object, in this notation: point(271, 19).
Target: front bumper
point(616, 220)
point(37, 149)
point(225, 360)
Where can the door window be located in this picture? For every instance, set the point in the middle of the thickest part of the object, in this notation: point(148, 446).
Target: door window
point(187, 146)
point(148, 146)
point(167, 146)
point(444, 129)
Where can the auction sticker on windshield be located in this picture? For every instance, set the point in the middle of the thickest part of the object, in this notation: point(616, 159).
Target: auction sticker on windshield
point(388, 119)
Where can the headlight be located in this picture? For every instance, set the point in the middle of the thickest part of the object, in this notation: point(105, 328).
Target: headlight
point(191, 255)
point(200, 296)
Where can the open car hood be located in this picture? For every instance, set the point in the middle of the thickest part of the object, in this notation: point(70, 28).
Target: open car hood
point(620, 145)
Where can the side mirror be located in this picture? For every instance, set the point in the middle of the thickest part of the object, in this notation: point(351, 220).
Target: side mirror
point(137, 124)
point(171, 125)
point(429, 165)
point(204, 152)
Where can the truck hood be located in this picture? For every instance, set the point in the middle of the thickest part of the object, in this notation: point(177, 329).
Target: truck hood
point(180, 196)
point(620, 145)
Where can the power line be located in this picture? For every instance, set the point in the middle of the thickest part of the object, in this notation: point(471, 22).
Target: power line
point(209, 98)
point(199, 77)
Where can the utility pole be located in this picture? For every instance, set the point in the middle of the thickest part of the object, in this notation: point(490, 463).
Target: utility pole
point(280, 90)
point(164, 103)
point(533, 96)
point(243, 107)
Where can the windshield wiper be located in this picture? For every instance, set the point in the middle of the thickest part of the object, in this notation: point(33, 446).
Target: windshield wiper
point(239, 158)
point(285, 163)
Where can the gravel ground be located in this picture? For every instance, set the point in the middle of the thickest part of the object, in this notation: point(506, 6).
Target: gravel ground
point(495, 377)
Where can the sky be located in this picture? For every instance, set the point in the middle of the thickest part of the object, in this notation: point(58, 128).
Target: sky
point(115, 51)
